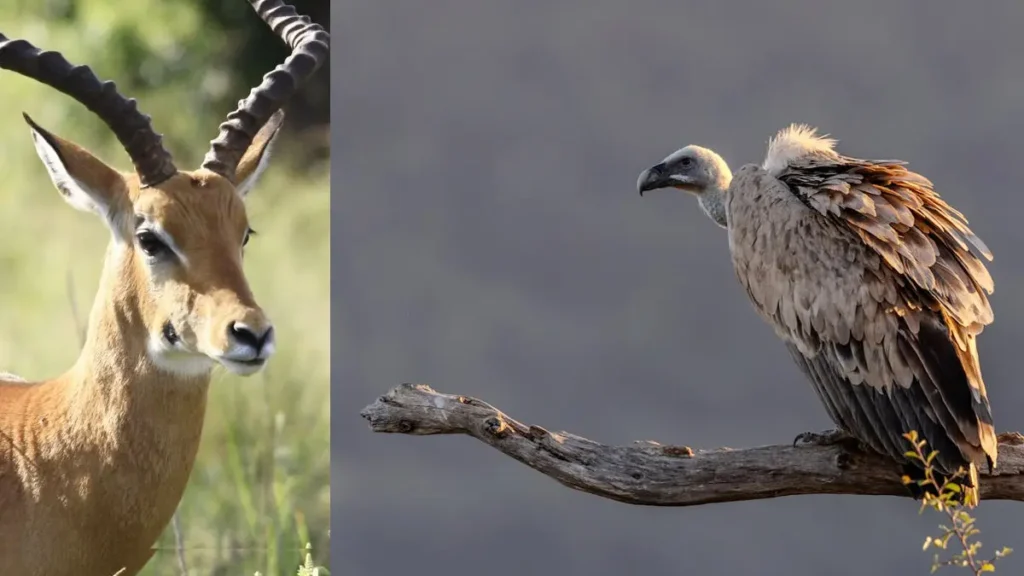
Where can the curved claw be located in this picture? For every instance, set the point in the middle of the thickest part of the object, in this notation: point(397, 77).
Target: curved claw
point(803, 437)
point(826, 438)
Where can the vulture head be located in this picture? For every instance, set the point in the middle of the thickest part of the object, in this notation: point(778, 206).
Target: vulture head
point(696, 170)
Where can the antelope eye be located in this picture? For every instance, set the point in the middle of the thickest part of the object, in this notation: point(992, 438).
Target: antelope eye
point(248, 234)
point(151, 244)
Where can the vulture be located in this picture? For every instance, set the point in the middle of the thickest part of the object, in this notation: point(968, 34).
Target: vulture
point(873, 282)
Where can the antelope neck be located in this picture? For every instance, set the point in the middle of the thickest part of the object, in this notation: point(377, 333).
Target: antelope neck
point(114, 384)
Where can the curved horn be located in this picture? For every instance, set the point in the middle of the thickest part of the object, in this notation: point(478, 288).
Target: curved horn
point(310, 44)
point(133, 128)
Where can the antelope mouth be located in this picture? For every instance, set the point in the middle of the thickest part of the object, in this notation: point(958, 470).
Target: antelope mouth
point(243, 367)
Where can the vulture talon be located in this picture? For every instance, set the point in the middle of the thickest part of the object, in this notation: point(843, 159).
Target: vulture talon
point(826, 438)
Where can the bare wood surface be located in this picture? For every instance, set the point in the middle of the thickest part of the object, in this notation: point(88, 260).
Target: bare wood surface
point(651, 474)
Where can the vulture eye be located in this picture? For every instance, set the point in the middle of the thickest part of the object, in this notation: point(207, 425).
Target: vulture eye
point(685, 161)
point(151, 244)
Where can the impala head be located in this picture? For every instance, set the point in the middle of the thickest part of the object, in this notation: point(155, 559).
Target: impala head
point(177, 237)
point(696, 170)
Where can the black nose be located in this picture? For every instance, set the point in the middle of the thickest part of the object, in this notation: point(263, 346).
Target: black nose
point(245, 335)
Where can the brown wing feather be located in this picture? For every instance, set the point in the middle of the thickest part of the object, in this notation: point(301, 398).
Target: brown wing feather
point(886, 353)
point(928, 242)
point(908, 225)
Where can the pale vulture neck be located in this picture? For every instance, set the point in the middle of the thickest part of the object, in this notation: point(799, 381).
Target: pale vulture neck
point(713, 203)
point(713, 198)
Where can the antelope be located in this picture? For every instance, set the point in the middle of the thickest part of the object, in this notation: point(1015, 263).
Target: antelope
point(93, 463)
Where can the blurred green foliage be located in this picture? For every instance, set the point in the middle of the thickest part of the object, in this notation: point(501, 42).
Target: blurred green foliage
point(260, 489)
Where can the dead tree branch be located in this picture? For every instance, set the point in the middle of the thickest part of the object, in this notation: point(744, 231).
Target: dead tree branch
point(656, 475)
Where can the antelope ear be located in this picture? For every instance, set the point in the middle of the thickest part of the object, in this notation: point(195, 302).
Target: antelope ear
point(257, 156)
point(83, 180)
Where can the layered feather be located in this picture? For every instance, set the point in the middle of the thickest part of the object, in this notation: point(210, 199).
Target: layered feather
point(870, 278)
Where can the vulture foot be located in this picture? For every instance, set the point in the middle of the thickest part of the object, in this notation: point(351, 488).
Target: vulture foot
point(826, 438)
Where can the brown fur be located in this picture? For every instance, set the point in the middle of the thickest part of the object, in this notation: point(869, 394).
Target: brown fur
point(94, 462)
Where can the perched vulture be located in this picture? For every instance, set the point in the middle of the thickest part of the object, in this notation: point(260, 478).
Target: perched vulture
point(868, 276)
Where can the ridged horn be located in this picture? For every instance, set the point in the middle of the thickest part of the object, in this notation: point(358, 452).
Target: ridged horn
point(133, 129)
point(310, 44)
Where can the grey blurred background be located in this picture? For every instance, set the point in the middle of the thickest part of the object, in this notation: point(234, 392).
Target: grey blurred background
point(490, 242)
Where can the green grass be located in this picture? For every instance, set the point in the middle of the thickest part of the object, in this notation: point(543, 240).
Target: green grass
point(260, 489)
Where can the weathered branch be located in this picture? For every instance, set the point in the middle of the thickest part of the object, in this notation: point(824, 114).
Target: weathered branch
point(655, 475)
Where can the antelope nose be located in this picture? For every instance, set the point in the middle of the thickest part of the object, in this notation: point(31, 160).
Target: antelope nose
point(262, 343)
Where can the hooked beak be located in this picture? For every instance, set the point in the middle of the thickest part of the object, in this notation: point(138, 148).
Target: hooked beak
point(660, 176)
